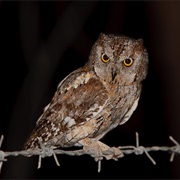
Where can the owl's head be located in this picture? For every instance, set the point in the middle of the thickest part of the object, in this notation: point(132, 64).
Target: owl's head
point(119, 59)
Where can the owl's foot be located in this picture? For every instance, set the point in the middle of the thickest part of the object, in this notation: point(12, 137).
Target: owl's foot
point(98, 150)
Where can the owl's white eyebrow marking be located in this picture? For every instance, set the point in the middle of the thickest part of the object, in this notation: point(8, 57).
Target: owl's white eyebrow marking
point(68, 121)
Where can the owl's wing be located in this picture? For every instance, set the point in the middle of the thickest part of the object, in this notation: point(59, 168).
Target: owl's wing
point(62, 88)
point(71, 114)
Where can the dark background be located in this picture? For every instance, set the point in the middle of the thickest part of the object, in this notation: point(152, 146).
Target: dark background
point(42, 42)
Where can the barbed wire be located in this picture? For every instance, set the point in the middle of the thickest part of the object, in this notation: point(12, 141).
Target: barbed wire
point(111, 153)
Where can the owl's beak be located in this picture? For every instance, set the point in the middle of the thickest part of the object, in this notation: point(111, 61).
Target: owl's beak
point(113, 73)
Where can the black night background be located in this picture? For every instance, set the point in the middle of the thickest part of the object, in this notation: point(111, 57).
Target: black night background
point(43, 41)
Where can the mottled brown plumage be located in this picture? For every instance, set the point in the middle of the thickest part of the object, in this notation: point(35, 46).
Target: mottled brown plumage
point(96, 98)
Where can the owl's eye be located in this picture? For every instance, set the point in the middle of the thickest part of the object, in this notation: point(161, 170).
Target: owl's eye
point(105, 58)
point(128, 62)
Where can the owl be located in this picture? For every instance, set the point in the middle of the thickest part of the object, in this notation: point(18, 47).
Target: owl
point(96, 98)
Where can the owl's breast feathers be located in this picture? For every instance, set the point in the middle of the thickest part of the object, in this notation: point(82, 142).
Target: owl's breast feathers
point(81, 107)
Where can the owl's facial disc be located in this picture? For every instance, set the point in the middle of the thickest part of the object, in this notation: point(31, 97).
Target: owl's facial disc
point(119, 59)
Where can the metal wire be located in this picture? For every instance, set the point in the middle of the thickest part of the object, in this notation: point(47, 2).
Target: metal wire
point(137, 150)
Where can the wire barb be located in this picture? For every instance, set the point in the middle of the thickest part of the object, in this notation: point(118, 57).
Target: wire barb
point(1, 140)
point(56, 160)
point(175, 149)
point(2, 154)
point(99, 166)
point(39, 162)
point(46, 152)
point(142, 150)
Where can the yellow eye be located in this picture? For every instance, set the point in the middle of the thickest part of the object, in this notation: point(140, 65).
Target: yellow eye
point(128, 62)
point(105, 58)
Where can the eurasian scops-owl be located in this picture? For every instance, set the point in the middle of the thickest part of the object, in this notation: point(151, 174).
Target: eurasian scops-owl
point(95, 98)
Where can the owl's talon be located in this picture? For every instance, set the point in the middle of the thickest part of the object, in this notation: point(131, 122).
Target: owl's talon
point(98, 150)
point(113, 153)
